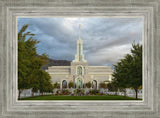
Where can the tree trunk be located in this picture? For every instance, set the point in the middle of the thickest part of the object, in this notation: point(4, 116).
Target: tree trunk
point(124, 92)
point(19, 94)
point(136, 90)
point(32, 94)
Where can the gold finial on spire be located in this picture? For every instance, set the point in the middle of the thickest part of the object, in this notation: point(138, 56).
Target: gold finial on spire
point(79, 30)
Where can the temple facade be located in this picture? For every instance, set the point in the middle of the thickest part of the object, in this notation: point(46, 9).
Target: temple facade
point(79, 72)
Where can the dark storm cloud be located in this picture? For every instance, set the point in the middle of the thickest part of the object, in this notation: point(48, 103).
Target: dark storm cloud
point(105, 39)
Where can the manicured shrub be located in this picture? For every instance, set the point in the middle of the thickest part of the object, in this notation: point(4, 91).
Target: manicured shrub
point(65, 92)
point(94, 92)
point(79, 92)
point(103, 85)
point(70, 84)
point(88, 85)
point(101, 93)
point(56, 85)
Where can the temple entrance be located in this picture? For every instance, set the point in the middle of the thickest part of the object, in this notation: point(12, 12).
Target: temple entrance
point(79, 83)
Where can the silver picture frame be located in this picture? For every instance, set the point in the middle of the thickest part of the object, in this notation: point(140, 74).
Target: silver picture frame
point(10, 107)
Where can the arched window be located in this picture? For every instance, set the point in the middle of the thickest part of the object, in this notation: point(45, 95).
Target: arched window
point(94, 84)
point(79, 70)
point(64, 84)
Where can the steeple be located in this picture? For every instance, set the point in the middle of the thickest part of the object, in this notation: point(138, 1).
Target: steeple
point(79, 57)
point(79, 30)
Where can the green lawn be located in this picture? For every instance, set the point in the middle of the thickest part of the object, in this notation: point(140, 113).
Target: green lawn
point(103, 97)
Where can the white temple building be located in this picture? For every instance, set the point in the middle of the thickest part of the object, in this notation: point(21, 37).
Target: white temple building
point(79, 72)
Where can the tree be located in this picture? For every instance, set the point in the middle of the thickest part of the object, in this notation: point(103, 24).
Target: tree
point(112, 86)
point(30, 63)
point(128, 72)
point(136, 74)
point(23, 60)
point(103, 85)
point(44, 82)
point(122, 73)
point(38, 77)
point(56, 85)
point(71, 84)
point(88, 85)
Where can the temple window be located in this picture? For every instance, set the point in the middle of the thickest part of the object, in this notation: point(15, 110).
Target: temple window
point(79, 70)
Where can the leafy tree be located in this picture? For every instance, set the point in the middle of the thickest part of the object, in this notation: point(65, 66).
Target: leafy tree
point(71, 84)
point(30, 63)
point(122, 73)
point(38, 77)
point(128, 72)
point(136, 70)
point(23, 60)
point(88, 85)
point(43, 82)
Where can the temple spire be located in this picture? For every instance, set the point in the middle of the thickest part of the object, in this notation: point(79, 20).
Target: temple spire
point(79, 30)
point(79, 57)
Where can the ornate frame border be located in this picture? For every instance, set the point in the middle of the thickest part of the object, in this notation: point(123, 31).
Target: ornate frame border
point(148, 10)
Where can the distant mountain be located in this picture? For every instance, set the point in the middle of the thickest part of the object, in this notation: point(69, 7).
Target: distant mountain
point(53, 62)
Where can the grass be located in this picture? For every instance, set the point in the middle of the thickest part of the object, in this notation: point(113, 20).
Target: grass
point(102, 97)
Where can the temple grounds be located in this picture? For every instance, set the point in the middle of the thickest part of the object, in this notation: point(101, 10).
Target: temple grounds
point(102, 97)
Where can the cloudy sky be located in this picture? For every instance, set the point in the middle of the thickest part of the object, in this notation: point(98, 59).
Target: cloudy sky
point(106, 40)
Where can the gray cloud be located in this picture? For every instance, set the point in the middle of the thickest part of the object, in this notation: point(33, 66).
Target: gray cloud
point(106, 40)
